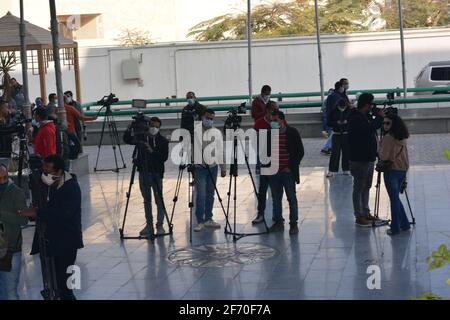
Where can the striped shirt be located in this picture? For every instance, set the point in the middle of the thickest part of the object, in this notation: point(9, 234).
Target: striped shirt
point(283, 153)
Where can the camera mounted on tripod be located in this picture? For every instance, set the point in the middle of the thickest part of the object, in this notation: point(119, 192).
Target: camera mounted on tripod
point(233, 121)
point(108, 100)
point(388, 108)
point(17, 125)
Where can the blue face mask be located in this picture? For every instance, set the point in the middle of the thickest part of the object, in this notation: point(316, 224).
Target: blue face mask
point(191, 102)
point(275, 125)
point(207, 123)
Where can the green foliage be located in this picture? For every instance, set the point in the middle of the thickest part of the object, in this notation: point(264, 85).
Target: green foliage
point(7, 63)
point(133, 37)
point(439, 258)
point(296, 17)
point(429, 296)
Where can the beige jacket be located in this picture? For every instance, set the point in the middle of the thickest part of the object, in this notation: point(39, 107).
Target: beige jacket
point(395, 151)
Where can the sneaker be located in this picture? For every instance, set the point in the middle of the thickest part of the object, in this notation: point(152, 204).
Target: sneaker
point(293, 229)
point(371, 217)
point(330, 174)
point(346, 173)
point(325, 152)
point(199, 227)
point(258, 219)
point(147, 231)
point(160, 230)
point(277, 226)
point(212, 224)
point(363, 222)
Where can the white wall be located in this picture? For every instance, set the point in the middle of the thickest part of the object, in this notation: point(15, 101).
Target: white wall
point(370, 60)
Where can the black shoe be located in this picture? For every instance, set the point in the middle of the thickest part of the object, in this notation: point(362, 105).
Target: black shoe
point(293, 229)
point(258, 219)
point(277, 226)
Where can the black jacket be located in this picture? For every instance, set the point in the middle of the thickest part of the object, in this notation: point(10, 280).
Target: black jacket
point(295, 150)
point(337, 115)
point(62, 217)
point(191, 114)
point(362, 136)
point(6, 131)
point(152, 162)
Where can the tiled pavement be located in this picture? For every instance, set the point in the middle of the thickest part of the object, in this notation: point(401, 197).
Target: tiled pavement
point(328, 259)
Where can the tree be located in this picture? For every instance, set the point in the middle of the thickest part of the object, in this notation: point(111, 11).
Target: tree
point(133, 37)
point(417, 13)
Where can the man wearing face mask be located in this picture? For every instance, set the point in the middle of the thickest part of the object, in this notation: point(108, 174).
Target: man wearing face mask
point(62, 219)
point(12, 198)
point(45, 140)
point(79, 125)
point(345, 86)
point(153, 151)
point(291, 152)
point(259, 104)
point(194, 111)
point(205, 177)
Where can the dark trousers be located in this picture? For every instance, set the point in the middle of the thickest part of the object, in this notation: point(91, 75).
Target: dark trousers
point(262, 194)
point(280, 182)
point(62, 262)
point(362, 173)
point(339, 145)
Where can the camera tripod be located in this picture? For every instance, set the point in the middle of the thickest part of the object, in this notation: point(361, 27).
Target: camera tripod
point(140, 161)
point(114, 136)
point(403, 189)
point(233, 184)
point(191, 180)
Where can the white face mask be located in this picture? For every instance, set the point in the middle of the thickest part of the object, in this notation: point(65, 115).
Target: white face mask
point(48, 179)
point(266, 98)
point(207, 123)
point(153, 131)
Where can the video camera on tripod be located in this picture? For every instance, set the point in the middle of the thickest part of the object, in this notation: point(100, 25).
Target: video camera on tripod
point(233, 121)
point(17, 125)
point(108, 100)
point(387, 105)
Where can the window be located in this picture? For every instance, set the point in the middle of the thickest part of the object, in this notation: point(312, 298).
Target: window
point(81, 26)
point(440, 74)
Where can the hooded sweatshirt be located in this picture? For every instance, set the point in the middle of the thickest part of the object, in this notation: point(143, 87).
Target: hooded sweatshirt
point(45, 141)
point(395, 151)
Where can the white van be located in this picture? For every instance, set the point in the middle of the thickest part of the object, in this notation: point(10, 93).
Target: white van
point(436, 73)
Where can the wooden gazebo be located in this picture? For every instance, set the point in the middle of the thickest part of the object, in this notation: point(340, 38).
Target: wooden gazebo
point(39, 50)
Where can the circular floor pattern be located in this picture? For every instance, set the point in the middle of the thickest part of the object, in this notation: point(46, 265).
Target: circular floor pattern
point(221, 255)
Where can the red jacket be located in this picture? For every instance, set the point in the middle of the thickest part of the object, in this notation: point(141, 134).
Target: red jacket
point(45, 141)
point(258, 108)
point(261, 123)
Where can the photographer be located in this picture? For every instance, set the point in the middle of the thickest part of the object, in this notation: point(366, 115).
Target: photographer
point(62, 218)
point(363, 123)
point(259, 104)
point(152, 152)
point(394, 153)
point(337, 119)
point(205, 177)
point(194, 111)
point(12, 198)
point(5, 138)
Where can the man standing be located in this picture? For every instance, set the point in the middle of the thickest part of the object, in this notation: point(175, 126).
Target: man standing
point(193, 111)
point(52, 105)
point(12, 198)
point(205, 177)
point(153, 151)
point(17, 93)
point(79, 125)
point(363, 145)
point(263, 124)
point(331, 102)
point(45, 141)
point(291, 153)
point(259, 104)
point(62, 219)
point(5, 139)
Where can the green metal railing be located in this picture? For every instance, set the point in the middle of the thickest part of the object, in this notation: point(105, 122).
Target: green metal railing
point(279, 96)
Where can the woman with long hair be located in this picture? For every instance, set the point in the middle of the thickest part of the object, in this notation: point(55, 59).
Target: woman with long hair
point(394, 151)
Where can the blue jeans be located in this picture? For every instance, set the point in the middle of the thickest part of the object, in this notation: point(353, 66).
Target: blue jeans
point(9, 281)
point(147, 182)
point(283, 181)
point(393, 179)
point(204, 192)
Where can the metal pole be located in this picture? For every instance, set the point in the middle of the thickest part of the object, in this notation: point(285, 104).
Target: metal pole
point(402, 44)
point(23, 59)
point(59, 89)
point(319, 49)
point(249, 46)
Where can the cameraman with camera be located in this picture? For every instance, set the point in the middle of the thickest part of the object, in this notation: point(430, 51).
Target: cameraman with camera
point(194, 111)
point(363, 123)
point(152, 150)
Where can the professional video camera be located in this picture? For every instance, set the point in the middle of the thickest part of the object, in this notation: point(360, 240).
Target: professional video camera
point(233, 121)
point(138, 130)
point(108, 100)
point(17, 125)
point(387, 106)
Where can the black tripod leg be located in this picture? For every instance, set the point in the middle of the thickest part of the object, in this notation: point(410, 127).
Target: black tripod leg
point(227, 215)
point(101, 141)
point(133, 173)
point(116, 136)
point(113, 142)
point(176, 194)
point(191, 202)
